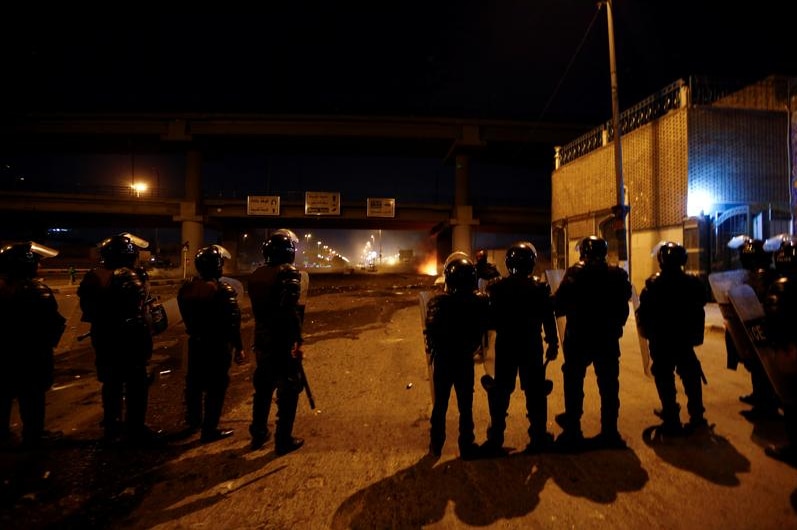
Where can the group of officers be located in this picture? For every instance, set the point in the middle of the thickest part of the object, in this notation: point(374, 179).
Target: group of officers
point(519, 313)
point(520, 309)
point(115, 300)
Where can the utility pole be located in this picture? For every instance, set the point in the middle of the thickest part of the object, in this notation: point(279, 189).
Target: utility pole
point(620, 208)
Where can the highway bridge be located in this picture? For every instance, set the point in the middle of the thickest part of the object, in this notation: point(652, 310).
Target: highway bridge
point(452, 142)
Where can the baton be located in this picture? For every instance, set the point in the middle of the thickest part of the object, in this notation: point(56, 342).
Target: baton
point(306, 385)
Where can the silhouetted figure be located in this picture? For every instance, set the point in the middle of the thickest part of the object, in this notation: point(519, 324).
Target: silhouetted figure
point(212, 317)
point(764, 401)
point(672, 317)
point(30, 327)
point(594, 297)
point(521, 307)
point(456, 321)
point(274, 290)
point(113, 299)
point(780, 307)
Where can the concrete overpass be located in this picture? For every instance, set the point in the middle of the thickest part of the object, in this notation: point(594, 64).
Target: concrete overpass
point(456, 141)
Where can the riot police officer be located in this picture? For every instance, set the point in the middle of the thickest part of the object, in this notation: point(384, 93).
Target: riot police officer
point(212, 318)
point(780, 307)
point(31, 327)
point(594, 297)
point(274, 290)
point(671, 315)
point(764, 401)
point(113, 299)
point(521, 307)
point(456, 321)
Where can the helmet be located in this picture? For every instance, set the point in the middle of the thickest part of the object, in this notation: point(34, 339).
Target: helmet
point(521, 258)
point(209, 261)
point(671, 256)
point(458, 254)
point(460, 275)
point(121, 250)
point(280, 247)
point(593, 248)
point(786, 256)
point(22, 259)
point(753, 256)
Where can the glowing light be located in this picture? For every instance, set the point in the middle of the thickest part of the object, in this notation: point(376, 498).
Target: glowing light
point(139, 188)
point(429, 266)
point(698, 202)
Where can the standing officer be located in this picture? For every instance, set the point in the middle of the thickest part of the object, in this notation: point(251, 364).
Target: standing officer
point(763, 399)
point(780, 308)
point(456, 321)
point(113, 299)
point(212, 318)
point(594, 297)
point(521, 307)
point(31, 327)
point(274, 290)
point(672, 317)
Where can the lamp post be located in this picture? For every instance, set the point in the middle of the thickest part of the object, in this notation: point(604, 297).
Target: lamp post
point(620, 209)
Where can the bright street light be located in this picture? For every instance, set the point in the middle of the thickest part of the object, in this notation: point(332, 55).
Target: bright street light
point(139, 188)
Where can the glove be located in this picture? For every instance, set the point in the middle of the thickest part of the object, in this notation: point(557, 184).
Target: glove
point(552, 352)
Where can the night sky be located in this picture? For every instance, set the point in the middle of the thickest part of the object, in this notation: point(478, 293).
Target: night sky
point(532, 60)
point(526, 60)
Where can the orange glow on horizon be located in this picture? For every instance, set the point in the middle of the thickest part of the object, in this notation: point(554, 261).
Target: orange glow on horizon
point(429, 266)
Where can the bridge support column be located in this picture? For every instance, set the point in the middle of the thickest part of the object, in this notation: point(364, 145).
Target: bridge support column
point(193, 227)
point(462, 219)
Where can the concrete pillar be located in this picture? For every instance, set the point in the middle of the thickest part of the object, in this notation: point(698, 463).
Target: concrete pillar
point(192, 228)
point(462, 219)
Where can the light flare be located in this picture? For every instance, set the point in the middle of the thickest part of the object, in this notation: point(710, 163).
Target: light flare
point(429, 266)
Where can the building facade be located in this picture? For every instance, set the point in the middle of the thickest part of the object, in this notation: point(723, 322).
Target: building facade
point(702, 161)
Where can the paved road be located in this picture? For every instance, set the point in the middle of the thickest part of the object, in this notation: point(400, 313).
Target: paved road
point(365, 464)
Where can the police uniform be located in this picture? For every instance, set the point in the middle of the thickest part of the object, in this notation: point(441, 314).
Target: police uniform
point(594, 297)
point(31, 327)
point(521, 306)
point(112, 299)
point(456, 321)
point(761, 275)
point(212, 317)
point(274, 291)
point(780, 306)
point(671, 316)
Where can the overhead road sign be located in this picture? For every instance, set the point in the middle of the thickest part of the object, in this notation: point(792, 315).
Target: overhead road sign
point(263, 205)
point(321, 203)
point(381, 207)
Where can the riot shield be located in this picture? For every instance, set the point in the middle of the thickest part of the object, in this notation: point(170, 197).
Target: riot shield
point(721, 283)
point(779, 363)
point(554, 278)
point(644, 347)
point(423, 302)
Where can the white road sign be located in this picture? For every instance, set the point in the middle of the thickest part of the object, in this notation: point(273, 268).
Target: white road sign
point(321, 203)
point(263, 205)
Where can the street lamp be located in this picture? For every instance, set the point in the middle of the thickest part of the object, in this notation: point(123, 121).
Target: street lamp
point(138, 188)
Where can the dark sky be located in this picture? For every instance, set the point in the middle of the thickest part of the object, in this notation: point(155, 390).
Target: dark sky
point(527, 60)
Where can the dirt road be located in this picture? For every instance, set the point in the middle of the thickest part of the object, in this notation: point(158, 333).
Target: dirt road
point(364, 464)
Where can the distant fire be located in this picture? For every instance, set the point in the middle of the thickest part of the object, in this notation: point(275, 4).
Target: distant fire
point(429, 266)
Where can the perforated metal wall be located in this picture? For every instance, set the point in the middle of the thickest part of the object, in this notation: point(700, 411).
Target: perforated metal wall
point(585, 185)
point(656, 166)
point(654, 173)
point(739, 156)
